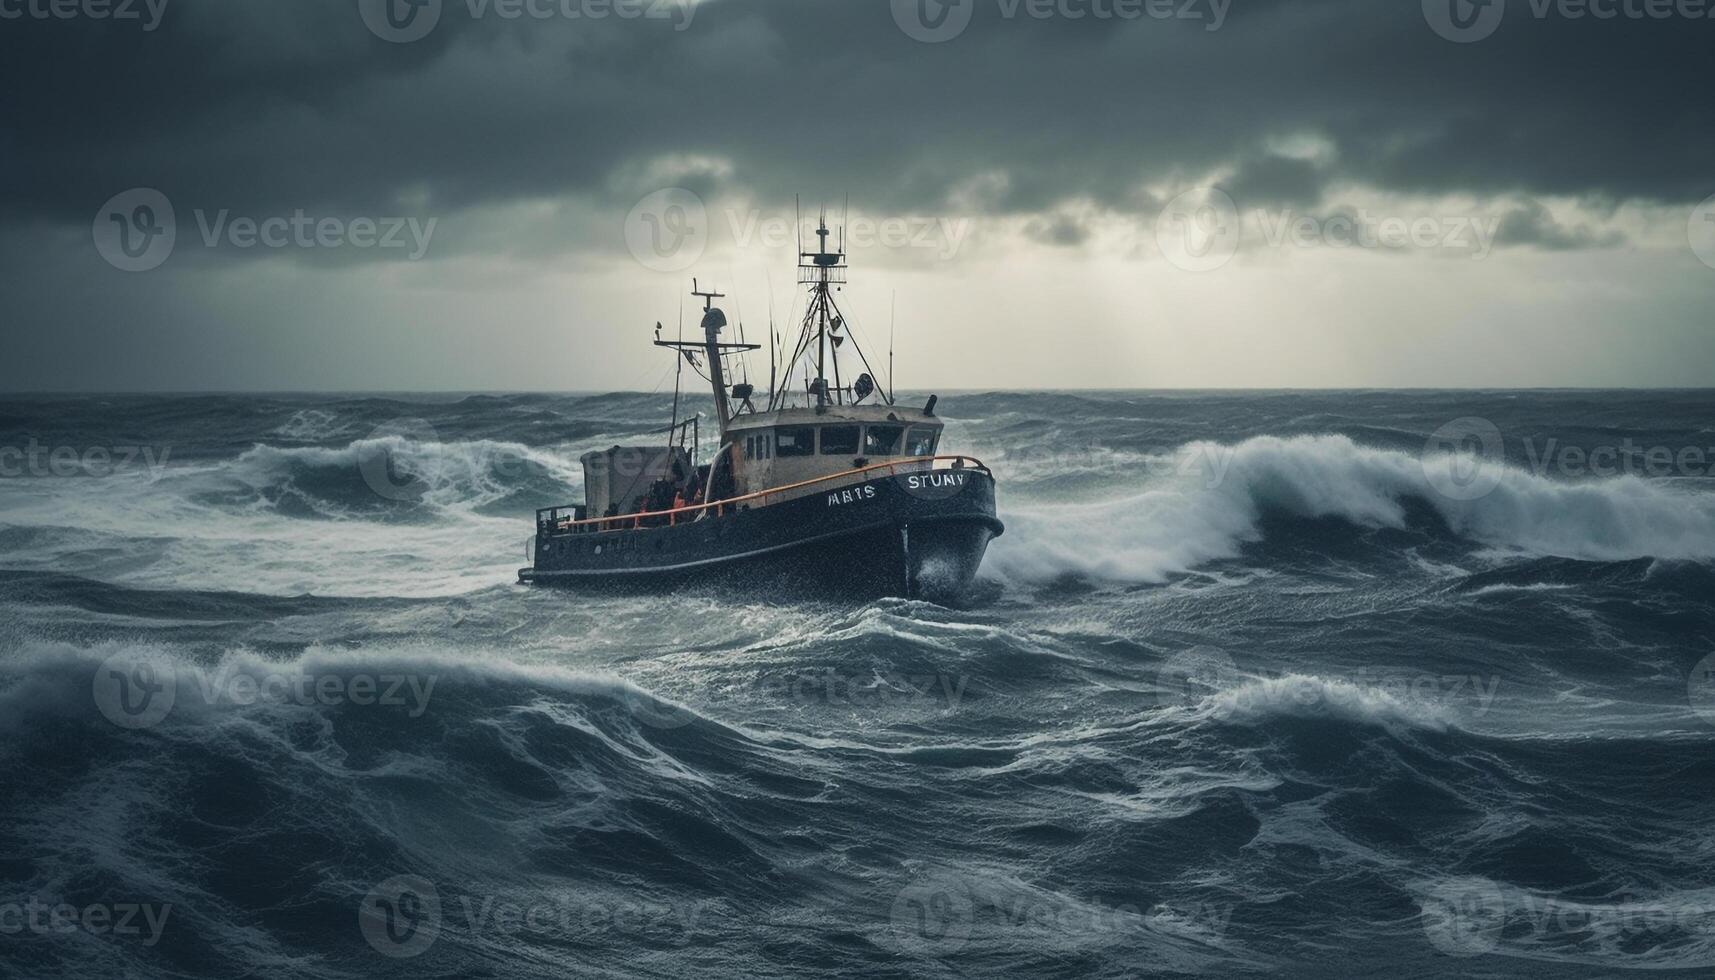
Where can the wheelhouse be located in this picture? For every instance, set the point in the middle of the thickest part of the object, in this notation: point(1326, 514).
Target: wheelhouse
point(772, 449)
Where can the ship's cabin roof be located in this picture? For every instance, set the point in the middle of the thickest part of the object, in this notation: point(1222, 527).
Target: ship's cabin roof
point(773, 449)
point(833, 414)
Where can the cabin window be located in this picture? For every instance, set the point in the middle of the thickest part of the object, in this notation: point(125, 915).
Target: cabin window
point(920, 442)
point(797, 440)
point(762, 449)
point(882, 440)
point(839, 440)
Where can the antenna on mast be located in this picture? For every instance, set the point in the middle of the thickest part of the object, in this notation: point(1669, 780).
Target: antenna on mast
point(737, 307)
point(892, 328)
point(769, 280)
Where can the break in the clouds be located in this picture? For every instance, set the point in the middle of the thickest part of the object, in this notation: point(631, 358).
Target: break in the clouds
point(527, 130)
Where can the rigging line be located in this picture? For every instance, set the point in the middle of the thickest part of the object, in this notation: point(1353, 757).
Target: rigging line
point(807, 335)
point(850, 331)
point(738, 308)
point(789, 364)
point(769, 282)
point(801, 346)
point(636, 383)
point(678, 377)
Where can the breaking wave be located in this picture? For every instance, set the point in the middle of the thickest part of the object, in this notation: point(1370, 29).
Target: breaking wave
point(395, 472)
point(1184, 521)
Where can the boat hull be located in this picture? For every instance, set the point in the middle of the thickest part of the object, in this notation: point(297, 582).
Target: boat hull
point(919, 535)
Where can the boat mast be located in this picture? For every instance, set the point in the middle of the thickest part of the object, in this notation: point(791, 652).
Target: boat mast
point(713, 322)
point(819, 270)
point(823, 332)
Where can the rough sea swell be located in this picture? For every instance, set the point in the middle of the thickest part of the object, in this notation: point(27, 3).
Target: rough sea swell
point(1299, 683)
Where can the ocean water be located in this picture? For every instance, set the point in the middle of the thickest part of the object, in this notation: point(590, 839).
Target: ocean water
point(1319, 683)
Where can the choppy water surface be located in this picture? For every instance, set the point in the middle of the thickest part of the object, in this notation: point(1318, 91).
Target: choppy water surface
point(1296, 683)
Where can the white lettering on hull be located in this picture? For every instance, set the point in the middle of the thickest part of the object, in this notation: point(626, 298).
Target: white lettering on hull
point(854, 495)
point(936, 480)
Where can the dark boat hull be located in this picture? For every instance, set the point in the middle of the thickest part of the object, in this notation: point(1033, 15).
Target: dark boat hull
point(920, 535)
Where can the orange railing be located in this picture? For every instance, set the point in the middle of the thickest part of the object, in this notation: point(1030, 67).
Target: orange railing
point(622, 522)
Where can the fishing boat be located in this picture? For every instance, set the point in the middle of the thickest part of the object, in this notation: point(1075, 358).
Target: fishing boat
point(831, 487)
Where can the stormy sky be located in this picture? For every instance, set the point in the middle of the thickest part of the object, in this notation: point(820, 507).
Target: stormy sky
point(508, 194)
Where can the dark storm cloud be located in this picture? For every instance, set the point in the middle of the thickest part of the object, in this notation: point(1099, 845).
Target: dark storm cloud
point(1276, 180)
point(1058, 229)
point(1532, 224)
point(262, 107)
